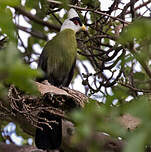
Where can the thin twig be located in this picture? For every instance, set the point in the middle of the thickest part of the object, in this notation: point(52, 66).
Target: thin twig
point(134, 89)
point(140, 6)
point(91, 10)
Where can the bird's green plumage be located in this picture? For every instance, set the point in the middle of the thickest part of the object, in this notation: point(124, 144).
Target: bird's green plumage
point(58, 57)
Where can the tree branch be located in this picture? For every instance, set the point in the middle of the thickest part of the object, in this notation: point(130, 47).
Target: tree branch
point(36, 19)
point(91, 10)
point(23, 110)
point(37, 34)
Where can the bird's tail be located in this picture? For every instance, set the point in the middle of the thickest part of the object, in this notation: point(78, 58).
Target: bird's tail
point(50, 136)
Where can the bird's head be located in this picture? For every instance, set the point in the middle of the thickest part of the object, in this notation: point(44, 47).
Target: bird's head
point(73, 22)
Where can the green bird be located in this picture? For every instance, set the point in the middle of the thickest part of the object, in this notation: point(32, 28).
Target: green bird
point(57, 60)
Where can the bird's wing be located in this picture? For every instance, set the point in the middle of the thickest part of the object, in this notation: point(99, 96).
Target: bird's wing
point(43, 61)
point(58, 59)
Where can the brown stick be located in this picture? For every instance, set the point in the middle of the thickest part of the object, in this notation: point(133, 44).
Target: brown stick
point(36, 19)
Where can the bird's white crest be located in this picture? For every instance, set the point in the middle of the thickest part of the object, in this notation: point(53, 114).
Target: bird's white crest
point(72, 13)
point(68, 24)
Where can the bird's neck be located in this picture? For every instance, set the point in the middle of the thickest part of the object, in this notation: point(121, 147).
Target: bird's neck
point(67, 33)
point(66, 28)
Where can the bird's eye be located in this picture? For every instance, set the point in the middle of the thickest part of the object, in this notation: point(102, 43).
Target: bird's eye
point(75, 22)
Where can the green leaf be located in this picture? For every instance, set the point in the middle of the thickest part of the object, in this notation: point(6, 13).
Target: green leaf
point(91, 3)
point(64, 4)
point(140, 107)
point(31, 4)
point(13, 71)
point(138, 30)
point(7, 24)
point(139, 75)
point(120, 92)
point(20, 75)
point(136, 143)
point(10, 2)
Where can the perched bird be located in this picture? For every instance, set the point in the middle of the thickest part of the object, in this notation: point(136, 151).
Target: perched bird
point(57, 60)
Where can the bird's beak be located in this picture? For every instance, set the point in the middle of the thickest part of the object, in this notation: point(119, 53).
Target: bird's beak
point(83, 28)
